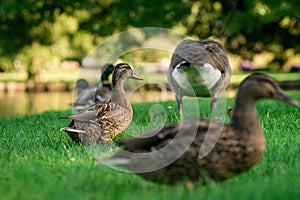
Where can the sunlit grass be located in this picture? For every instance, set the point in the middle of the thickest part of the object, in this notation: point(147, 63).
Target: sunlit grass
point(280, 76)
point(149, 77)
point(38, 161)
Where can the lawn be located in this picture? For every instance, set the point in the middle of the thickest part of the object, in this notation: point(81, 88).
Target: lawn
point(153, 77)
point(38, 161)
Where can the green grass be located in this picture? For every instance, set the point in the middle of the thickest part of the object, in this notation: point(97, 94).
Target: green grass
point(37, 161)
point(236, 78)
point(70, 76)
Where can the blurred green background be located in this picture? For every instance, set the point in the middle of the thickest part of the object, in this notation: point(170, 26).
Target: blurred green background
point(40, 35)
point(44, 41)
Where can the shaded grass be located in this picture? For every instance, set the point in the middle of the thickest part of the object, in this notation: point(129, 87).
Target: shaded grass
point(38, 161)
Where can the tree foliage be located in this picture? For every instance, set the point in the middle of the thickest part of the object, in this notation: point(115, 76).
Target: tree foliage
point(41, 33)
point(263, 26)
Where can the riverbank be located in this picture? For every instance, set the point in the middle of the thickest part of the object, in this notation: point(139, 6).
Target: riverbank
point(35, 87)
point(66, 87)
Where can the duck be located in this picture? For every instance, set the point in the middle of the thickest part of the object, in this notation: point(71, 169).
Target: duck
point(103, 121)
point(90, 95)
point(202, 149)
point(198, 68)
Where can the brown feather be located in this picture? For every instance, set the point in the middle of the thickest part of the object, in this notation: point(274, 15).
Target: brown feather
point(199, 148)
point(104, 120)
point(198, 53)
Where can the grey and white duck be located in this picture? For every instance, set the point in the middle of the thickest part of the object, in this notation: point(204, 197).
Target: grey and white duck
point(104, 120)
point(199, 148)
point(199, 69)
point(101, 92)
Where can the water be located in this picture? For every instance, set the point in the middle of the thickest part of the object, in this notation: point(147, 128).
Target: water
point(20, 103)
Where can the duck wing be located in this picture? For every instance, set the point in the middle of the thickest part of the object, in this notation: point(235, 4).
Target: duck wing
point(191, 51)
point(176, 133)
point(217, 53)
point(160, 147)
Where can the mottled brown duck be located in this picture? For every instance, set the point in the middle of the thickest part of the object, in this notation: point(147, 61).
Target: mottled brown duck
point(199, 69)
point(90, 95)
point(199, 148)
point(104, 120)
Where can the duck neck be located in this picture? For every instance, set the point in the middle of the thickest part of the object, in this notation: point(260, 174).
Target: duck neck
point(244, 115)
point(104, 76)
point(118, 95)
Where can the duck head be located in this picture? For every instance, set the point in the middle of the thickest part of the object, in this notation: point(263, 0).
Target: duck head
point(106, 71)
point(260, 85)
point(123, 71)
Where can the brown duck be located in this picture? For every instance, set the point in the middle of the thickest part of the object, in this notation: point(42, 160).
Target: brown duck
point(199, 69)
point(104, 120)
point(198, 148)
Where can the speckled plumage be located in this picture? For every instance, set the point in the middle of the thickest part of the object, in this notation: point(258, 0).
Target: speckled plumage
point(197, 148)
point(104, 120)
point(199, 53)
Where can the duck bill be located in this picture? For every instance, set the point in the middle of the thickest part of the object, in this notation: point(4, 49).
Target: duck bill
point(135, 76)
point(286, 99)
